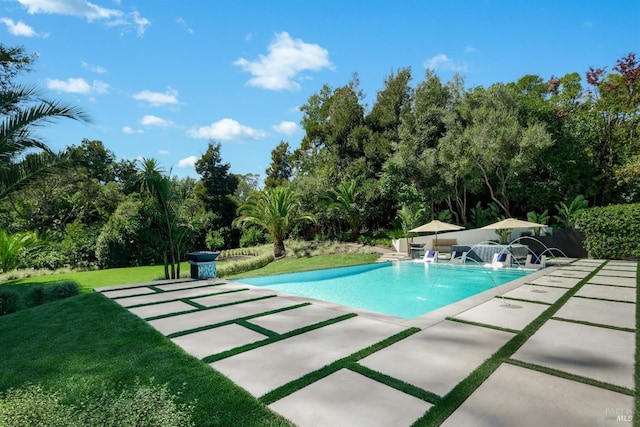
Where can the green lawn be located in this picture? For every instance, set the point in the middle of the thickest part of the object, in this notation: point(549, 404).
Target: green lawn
point(293, 265)
point(83, 344)
point(88, 341)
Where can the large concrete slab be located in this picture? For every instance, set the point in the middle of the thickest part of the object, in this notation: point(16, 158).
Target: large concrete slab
point(589, 351)
point(439, 357)
point(545, 294)
point(128, 292)
point(562, 272)
point(611, 313)
point(617, 273)
point(622, 263)
point(290, 320)
point(346, 398)
point(169, 296)
point(139, 284)
point(230, 297)
point(615, 281)
point(589, 261)
point(579, 267)
point(560, 282)
point(185, 322)
point(508, 314)
point(153, 310)
point(266, 368)
point(514, 396)
point(617, 267)
point(190, 284)
point(213, 341)
point(617, 293)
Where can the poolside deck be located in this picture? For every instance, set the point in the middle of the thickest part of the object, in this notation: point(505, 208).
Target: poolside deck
point(554, 348)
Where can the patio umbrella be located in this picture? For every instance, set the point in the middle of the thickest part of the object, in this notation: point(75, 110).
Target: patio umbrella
point(511, 223)
point(436, 226)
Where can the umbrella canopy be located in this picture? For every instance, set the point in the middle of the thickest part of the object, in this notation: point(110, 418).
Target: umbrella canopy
point(511, 223)
point(436, 226)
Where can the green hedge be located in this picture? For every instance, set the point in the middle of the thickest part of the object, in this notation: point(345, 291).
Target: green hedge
point(611, 231)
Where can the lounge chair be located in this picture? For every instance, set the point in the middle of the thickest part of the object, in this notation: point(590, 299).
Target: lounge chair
point(457, 257)
point(500, 260)
point(431, 256)
point(535, 262)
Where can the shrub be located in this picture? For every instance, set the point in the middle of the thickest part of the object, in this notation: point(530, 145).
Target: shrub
point(145, 405)
point(237, 267)
point(611, 231)
point(36, 296)
point(39, 295)
point(214, 240)
point(252, 236)
point(8, 302)
point(62, 290)
point(141, 406)
point(31, 406)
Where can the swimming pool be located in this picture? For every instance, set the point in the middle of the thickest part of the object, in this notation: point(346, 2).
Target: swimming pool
point(404, 289)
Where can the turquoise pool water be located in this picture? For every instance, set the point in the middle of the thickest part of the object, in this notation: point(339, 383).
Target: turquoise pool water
point(405, 289)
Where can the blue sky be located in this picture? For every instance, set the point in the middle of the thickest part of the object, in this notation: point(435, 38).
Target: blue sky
point(161, 78)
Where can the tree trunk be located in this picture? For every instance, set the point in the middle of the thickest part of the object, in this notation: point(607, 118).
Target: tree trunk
point(278, 247)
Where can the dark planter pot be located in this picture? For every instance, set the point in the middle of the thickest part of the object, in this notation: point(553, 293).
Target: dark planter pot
point(202, 256)
point(203, 264)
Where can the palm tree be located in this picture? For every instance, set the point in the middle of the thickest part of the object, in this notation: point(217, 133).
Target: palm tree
point(275, 210)
point(22, 109)
point(343, 198)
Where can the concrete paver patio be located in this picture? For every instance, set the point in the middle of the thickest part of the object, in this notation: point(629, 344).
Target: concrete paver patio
point(577, 369)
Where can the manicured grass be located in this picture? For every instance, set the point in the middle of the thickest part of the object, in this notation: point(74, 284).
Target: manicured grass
point(88, 280)
point(293, 265)
point(92, 341)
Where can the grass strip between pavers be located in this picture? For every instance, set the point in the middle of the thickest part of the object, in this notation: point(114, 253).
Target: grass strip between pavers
point(344, 363)
point(599, 325)
point(402, 386)
point(525, 300)
point(605, 299)
point(452, 400)
point(274, 338)
point(230, 321)
point(204, 308)
point(483, 325)
point(572, 377)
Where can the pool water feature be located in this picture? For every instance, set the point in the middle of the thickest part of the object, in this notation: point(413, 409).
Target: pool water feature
point(402, 289)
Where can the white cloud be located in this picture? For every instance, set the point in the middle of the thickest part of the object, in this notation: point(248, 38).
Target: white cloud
point(79, 85)
point(184, 24)
point(141, 23)
point(20, 28)
point(288, 128)
point(78, 8)
point(129, 130)
point(150, 120)
point(443, 62)
point(470, 49)
point(95, 68)
point(188, 162)
point(88, 11)
point(226, 130)
point(157, 99)
point(163, 152)
point(287, 59)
